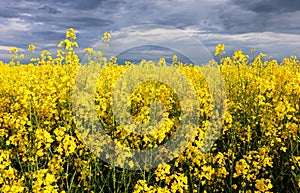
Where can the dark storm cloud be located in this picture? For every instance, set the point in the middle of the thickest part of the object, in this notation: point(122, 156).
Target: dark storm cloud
point(84, 22)
point(47, 21)
point(48, 36)
point(89, 4)
point(65, 14)
point(237, 16)
point(176, 13)
point(263, 6)
point(7, 14)
point(49, 9)
point(78, 4)
point(44, 22)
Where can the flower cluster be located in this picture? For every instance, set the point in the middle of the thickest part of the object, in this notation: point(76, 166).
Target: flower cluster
point(41, 149)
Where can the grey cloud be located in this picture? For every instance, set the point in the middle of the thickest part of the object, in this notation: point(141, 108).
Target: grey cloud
point(239, 16)
point(174, 13)
point(49, 9)
point(48, 36)
point(46, 21)
point(263, 6)
point(77, 4)
point(7, 14)
point(83, 22)
point(88, 4)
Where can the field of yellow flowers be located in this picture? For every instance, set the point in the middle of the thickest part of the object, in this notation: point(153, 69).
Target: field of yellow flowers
point(41, 149)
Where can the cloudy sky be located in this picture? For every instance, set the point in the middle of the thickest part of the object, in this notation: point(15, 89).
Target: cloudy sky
point(271, 26)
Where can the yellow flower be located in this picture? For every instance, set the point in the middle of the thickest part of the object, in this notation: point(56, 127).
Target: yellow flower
point(71, 34)
point(174, 60)
point(162, 171)
point(220, 49)
point(241, 168)
point(263, 184)
point(283, 149)
point(106, 38)
point(234, 186)
point(14, 50)
point(31, 47)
